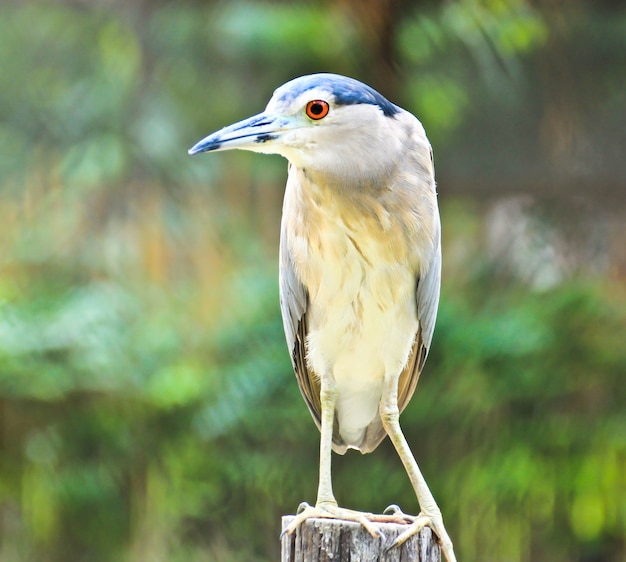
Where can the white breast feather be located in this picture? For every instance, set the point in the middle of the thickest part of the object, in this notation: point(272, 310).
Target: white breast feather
point(362, 318)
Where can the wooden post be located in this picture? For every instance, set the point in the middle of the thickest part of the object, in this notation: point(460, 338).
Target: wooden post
point(331, 540)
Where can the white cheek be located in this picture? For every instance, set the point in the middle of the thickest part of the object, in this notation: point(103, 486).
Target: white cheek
point(294, 138)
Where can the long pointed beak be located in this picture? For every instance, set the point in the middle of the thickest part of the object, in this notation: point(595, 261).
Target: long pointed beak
point(249, 134)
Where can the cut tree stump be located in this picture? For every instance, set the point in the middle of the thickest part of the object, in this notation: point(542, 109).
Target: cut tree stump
point(332, 540)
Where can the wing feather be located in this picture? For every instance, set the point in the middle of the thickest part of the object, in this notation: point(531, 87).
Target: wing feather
point(427, 300)
point(294, 301)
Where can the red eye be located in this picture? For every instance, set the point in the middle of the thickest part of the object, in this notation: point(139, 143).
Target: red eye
point(317, 109)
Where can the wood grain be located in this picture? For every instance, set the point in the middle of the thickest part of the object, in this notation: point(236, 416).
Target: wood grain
point(332, 540)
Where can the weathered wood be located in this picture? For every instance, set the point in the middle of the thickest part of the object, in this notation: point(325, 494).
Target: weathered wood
point(331, 540)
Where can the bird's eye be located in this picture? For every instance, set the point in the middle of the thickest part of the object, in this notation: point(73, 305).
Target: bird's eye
point(317, 109)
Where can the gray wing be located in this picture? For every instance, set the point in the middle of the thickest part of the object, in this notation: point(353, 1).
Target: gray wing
point(294, 302)
point(427, 301)
point(427, 294)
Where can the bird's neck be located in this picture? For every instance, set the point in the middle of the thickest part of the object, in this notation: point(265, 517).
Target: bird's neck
point(349, 183)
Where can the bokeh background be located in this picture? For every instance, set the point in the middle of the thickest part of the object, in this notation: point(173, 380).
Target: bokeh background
point(148, 411)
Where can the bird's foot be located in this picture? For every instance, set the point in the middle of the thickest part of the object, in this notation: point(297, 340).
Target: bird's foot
point(332, 511)
point(417, 523)
point(395, 514)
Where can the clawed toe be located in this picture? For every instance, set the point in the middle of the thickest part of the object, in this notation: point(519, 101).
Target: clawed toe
point(392, 509)
point(392, 514)
point(332, 511)
point(435, 522)
point(303, 507)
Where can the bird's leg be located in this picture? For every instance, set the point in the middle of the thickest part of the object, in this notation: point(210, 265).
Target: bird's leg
point(430, 514)
point(326, 505)
point(328, 399)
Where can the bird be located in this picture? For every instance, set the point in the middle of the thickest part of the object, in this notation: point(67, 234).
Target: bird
point(359, 269)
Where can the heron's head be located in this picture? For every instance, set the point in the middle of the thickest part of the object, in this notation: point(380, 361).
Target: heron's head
point(323, 122)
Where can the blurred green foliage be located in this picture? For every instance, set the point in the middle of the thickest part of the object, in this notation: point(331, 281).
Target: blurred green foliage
point(148, 410)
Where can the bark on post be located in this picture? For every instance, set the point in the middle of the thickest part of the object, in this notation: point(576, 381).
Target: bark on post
point(331, 540)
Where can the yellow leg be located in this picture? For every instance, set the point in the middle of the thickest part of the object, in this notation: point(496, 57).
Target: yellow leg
point(430, 514)
point(326, 505)
point(328, 399)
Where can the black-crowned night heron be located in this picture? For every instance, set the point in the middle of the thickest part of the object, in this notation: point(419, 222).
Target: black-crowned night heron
point(360, 267)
